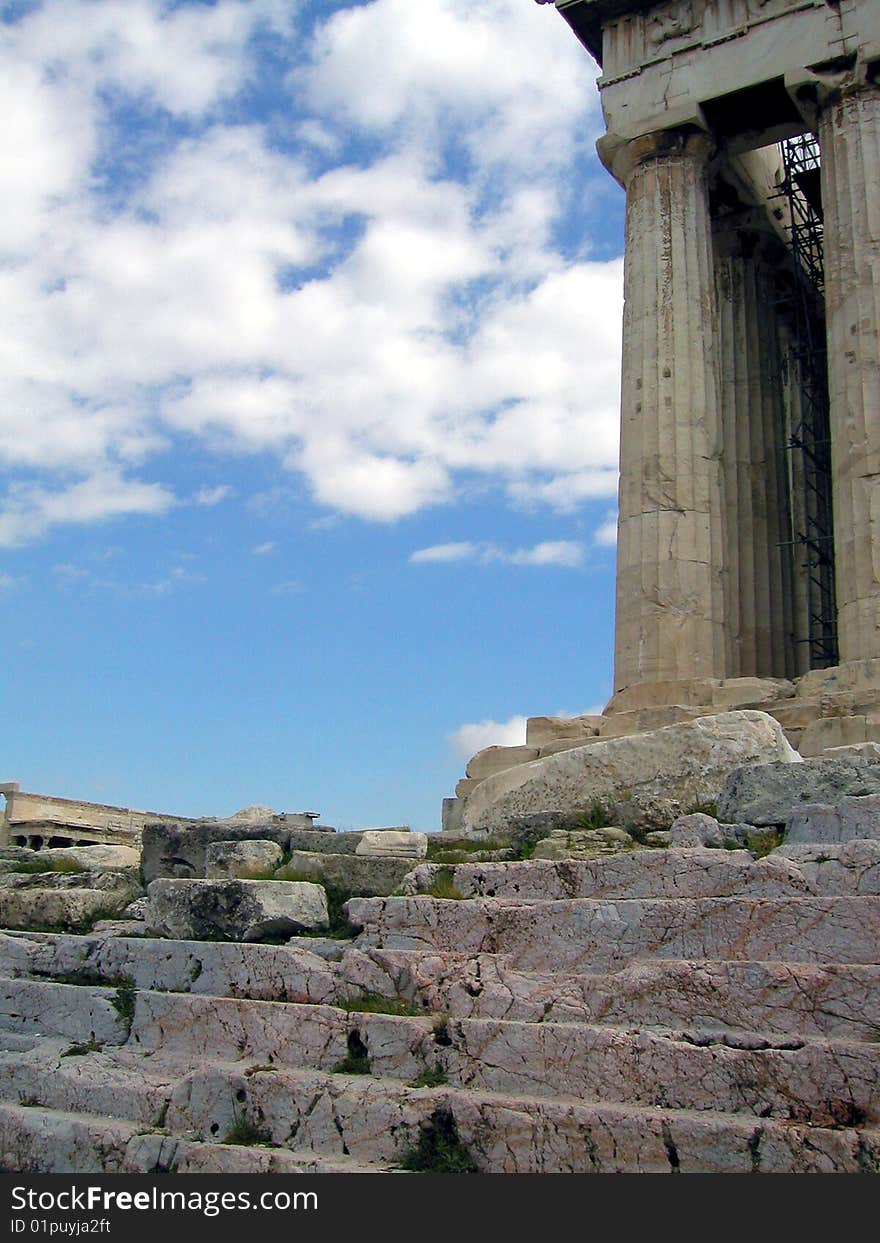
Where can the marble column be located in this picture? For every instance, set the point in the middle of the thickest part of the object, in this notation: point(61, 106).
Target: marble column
point(849, 135)
point(759, 580)
point(670, 617)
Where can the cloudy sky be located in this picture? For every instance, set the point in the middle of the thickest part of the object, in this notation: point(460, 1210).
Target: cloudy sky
point(310, 334)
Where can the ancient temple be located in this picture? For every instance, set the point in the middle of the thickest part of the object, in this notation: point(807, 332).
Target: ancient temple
point(749, 520)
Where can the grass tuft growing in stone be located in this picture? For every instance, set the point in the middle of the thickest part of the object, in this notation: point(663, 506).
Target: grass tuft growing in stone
point(33, 867)
point(443, 886)
point(373, 1003)
point(356, 1060)
point(435, 1078)
point(439, 1149)
point(123, 1002)
point(82, 1048)
point(244, 1132)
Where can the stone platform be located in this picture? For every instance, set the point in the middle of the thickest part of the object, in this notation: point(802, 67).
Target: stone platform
point(656, 1010)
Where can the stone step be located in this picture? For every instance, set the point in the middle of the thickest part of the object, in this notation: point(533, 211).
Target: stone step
point(830, 999)
point(598, 935)
point(327, 1119)
point(39, 1008)
point(270, 972)
point(833, 870)
point(819, 1081)
point(45, 1141)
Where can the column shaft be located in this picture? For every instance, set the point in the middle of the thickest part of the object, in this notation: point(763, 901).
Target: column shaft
point(849, 135)
point(669, 620)
point(759, 583)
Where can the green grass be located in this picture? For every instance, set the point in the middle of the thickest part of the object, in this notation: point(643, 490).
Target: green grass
point(439, 1149)
point(245, 1132)
point(36, 866)
point(443, 885)
point(437, 852)
point(372, 1003)
point(356, 1060)
point(82, 1048)
point(123, 1001)
point(435, 1078)
point(761, 844)
point(598, 817)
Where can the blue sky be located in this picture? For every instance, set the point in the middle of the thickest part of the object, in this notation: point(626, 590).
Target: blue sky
point(310, 336)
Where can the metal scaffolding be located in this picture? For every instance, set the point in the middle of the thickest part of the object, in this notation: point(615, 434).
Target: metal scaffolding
point(810, 434)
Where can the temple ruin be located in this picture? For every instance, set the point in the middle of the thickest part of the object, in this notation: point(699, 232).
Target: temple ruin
point(746, 548)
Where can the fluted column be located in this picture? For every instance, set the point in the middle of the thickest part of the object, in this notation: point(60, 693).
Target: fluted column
point(669, 619)
point(759, 584)
point(849, 135)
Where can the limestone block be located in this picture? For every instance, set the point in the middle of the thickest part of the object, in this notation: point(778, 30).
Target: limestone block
point(870, 751)
point(256, 859)
point(837, 731)
point(94, 858)
point(648, 779)
point(771, 793)
point(239, 910)
point(367, 875)
point(659, 837)
point(565, 744)
point(737, 692)
point(851, 818)
point(36, 907)
point(641, 720)
point(496, 759)
point(393, 843)
point(451, 814)
point(175, 850)
point(696, 830)
point(465, 787)
point(855, 675)
point(582, 843)
point(543, 731)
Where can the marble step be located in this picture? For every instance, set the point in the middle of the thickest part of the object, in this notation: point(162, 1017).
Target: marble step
point(832, 870)
point(828, 999)
point(325, 1120)
point(815, 1080)
point(598, 935)
point(46, 1141)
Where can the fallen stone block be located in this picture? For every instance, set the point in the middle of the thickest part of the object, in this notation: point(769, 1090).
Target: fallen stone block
point(696, 829)
point(35, 907)
point(364, 875)
point(238, 910)
point(582, 843)
point(93, 858)
point(646, 779)
point(852, 817)
point(771, 793)
point(254, 860)
point(543, 731)
point(393, 843)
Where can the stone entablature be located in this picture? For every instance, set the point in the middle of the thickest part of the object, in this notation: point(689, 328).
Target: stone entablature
point(662, 63)
point(32, 816)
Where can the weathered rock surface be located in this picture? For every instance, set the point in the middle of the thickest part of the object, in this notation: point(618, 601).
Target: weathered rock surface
point(649, 1010)
point(367, 876)
point(583, 843)
point(241, 859)
point(93, 858)
point(771, 793)
point(852, 817)
point(242, 910)
point(648, 779)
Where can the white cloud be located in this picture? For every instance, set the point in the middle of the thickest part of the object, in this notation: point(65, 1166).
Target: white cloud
point(605, 536)
point(263, 550)
point(568, 553)
point(470, 738)
point(385, 328)
point(28, 510)
point(290, 588)
point(213, 496)
point(8, 582)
